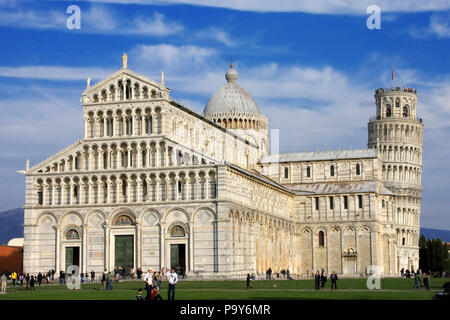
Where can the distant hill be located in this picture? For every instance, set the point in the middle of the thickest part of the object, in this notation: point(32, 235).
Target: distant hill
point(444, 235)
point(11, 225)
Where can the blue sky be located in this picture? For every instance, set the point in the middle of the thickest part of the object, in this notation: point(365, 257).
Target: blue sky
point(311, 66)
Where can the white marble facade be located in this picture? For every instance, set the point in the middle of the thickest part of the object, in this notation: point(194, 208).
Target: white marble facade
point(153, 184)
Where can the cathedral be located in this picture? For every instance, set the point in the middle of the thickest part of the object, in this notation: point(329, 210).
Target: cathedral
point(154, 184)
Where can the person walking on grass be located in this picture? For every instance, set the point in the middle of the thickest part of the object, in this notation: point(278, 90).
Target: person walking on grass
point(317, 280)
point(3, 280)
point(103, 280)
point(426, 281)
point(148, 278)
point(323, 280)
point(333, 279)
point(173, 279)
point(39, 279)
point(32, 280)
point(248, 281)
point(27, 279)
point(417, 282)
point(14, 278)
point(109, 281)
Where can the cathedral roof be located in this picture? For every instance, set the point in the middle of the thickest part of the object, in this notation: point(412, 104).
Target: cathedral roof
point(231, 99)
point(340, 187)
point(321, 156)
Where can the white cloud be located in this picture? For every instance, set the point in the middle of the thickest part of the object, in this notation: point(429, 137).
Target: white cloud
point(33, 19)
point(155, 25)
point(54, 72)
point(317, 7)
point(187, 57)
point(438, 27)
point(217, 34)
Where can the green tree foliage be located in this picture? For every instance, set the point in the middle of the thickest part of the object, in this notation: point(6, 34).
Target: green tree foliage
point(433, 254)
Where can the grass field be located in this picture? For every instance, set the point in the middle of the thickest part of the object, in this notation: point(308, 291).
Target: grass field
point(349, 289)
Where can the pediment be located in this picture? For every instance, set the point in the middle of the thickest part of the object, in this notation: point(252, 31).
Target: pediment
point(97, 92)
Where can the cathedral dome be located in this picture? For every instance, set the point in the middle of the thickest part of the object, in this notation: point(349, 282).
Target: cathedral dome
point(231, 100)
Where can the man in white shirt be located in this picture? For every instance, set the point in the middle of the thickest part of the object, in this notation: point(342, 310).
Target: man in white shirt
point(148, 278)
point(173, 279)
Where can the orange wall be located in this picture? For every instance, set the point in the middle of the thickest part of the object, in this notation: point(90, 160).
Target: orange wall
point(11, 259)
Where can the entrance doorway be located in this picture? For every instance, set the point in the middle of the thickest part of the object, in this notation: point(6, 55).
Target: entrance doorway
point(72, 256)
point(124, 252)
point(178, 256)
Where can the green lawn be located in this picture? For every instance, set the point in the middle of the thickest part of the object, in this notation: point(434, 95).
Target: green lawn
point(349, 289)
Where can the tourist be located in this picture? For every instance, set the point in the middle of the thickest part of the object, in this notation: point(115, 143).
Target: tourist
point(323, 280)
point(139, 296)
point(21, 277)
point(39, 279)
point(426, 281)
point(4, 280)
point(27, 279)
point(158, 279)
point(155, 294)
point(61, 278)
point(417, 282)
point(288, 274)
point(334, 279)
point(53, 274)
point(104, 277)
point(248, 281)
point(148, 278)
point(81, 277)
point(317, 280)
point(173, 279)
point(139, 273)
point(132, 273)
point(92, 276)
point(14, 278)
point(32, 283)
point(109, 281)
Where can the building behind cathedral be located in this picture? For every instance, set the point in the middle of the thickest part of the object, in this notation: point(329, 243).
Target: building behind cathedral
point(154, 184)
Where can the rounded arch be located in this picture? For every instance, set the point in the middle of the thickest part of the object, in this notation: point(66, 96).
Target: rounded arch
point(67, 213)
point(44, 214)
point(121, 211)
point(150, 217)
point(90, 218)
point(210, 211)
point(178, 209)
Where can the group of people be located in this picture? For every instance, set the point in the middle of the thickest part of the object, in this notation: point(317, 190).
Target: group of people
point(29, 280)
point(284, 273)
point(320, 279)
point(153, 282)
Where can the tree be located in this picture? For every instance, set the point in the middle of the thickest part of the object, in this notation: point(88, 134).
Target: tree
point(433, 255)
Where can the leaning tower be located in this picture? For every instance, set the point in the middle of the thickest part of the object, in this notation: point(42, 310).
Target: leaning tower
point(397, 133)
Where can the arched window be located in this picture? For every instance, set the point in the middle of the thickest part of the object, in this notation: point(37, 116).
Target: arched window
point(332, 170)
point(286, 172)
point(308, 171)
point(388, 111)
point(177, 231)
point(123, 220)
point(397, 103)
point(405, 112)
point(358, 169)
point(321, 239)
point(72, 234)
